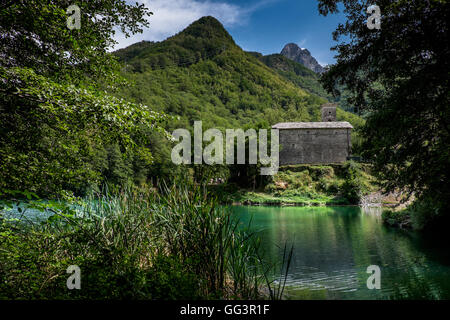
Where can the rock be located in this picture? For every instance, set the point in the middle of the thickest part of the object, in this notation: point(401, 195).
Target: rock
point(281, 185)
point(303, 56)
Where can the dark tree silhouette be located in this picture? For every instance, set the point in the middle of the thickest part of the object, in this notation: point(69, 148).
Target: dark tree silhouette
point(399, 78)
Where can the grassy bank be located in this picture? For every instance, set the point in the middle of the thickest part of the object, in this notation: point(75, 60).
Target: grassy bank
point(176, 244)
point(308, 185)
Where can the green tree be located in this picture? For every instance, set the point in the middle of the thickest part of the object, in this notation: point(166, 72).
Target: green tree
point(55, 119)
point(35, 35)
point(399, 76)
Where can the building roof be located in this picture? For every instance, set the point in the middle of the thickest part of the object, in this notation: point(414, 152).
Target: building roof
point(313, 125)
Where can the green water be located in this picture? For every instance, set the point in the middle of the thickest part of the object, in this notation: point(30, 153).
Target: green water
point(333, 246)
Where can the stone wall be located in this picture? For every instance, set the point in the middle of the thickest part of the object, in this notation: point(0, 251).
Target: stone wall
point(328, 145)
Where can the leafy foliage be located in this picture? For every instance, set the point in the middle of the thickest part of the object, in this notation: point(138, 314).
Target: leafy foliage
point(52, 134)
point(35, 36)
point(55, 123)
point(399, 76)
point(341, 184)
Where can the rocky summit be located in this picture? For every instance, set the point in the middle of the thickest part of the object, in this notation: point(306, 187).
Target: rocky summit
point(303, 56)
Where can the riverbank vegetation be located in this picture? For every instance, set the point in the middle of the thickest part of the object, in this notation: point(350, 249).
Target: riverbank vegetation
point(315, 185)
point(175, 244)
point(422, 214)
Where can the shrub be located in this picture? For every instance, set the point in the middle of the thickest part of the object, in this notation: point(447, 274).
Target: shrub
point(396, 218)
point(428, 213)
point(423, 213)
point(354, 185)
point(169, 279)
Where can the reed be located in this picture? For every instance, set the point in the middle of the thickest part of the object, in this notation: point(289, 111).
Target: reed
point(178, 243)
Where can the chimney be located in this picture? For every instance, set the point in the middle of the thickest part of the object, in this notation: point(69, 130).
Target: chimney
point(329, 112)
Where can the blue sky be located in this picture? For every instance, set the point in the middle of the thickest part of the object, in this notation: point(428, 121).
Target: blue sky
point(256, 25)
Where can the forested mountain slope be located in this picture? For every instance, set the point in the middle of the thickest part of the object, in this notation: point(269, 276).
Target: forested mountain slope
point(201, 74)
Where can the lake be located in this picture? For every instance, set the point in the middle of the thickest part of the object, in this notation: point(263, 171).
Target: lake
point(333, 246)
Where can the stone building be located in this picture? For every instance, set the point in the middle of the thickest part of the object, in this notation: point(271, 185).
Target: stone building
point(328, 141)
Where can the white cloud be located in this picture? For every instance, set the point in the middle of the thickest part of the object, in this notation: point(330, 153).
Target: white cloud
point(171, 16)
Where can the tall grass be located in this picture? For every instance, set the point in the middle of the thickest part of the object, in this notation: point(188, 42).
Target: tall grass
point(276, 283)
point(174, 244)
point(207, 237)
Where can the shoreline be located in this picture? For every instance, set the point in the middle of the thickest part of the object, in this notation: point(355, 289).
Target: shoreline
point(290, 204)
point(305, 204)
point(375, 199)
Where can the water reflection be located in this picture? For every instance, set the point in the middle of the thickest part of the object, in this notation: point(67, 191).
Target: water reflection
point(333, 246)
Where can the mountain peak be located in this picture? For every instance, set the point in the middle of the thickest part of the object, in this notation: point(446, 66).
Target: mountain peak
point(294, 52)
point(209, 20)
point(207, 27)
point(202, 39)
